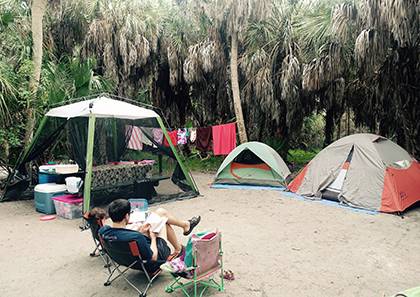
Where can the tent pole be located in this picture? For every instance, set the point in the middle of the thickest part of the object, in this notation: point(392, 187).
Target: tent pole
point(89, 162)
point(181, 163)
point(114, 138)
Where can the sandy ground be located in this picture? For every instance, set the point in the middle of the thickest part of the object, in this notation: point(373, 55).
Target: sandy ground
point(276, 246)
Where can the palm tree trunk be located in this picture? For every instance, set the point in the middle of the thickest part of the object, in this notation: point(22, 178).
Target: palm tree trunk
point(38, 10)
point(329, 127)
point(235, 89)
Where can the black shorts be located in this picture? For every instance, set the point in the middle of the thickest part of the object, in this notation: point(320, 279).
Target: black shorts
point(163, 253)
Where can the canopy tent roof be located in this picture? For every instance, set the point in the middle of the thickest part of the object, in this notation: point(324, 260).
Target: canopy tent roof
point(102, 107)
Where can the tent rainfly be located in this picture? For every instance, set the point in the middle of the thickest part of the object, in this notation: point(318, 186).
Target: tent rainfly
point(362, 170)
point(112, 116)
point(253, 163)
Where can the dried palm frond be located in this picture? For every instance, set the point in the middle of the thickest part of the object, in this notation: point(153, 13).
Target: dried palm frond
point(290, 87)
point(370, 14)
point(325, 69)
point(203, 58)
point(402, 19)
point(342, 16)
point(370, 50)
point(257, 67)
point(211, 55)
point(192, 69)
point(175, 66)
point(111, 68)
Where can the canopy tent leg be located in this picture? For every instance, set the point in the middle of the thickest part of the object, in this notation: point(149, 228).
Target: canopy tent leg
point(89, 163)
point(181, 163)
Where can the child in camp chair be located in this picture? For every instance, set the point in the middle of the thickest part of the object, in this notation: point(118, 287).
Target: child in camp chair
point(152, 246)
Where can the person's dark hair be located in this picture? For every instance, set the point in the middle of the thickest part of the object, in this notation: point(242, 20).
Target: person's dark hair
point(118, 209)
point(98, 213)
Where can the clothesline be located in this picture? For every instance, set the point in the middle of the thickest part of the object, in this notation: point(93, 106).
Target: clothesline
point(219, 138)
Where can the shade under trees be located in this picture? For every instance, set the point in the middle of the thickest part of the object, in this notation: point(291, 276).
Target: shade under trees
point(356, 60)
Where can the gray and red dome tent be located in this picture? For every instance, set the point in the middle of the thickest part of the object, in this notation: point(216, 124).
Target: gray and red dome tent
point(362, 170)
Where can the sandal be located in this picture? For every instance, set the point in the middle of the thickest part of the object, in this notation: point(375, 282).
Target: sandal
point(193, 222)
point(228, 275)
point(177, 254)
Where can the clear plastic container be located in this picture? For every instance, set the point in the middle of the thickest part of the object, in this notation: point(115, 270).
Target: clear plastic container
point(68, 206)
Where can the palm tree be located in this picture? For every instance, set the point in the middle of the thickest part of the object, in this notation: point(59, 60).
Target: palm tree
point(38, 11)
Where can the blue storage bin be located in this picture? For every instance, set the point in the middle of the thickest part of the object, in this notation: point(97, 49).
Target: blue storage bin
point(44, 194)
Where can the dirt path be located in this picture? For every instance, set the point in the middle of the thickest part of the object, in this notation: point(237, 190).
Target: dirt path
point(277, 246)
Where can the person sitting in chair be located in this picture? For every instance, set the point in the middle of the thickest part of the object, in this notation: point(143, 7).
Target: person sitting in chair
point(153, 247)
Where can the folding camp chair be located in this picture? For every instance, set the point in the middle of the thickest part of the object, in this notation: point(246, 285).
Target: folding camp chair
point(94, 225)
point(207, 256)
point(126, 253)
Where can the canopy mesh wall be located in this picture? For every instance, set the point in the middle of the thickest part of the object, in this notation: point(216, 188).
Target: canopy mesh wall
point(164, 179)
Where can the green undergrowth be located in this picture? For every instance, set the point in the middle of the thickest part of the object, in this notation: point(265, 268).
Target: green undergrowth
point(209, 164)
point(299, 158)
point(296, 159)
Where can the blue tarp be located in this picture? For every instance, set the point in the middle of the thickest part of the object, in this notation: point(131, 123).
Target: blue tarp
point(246, 187)
point(292, 195)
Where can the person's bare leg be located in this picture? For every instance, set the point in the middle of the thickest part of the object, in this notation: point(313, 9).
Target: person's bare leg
point(185, 225)
point(170, 233)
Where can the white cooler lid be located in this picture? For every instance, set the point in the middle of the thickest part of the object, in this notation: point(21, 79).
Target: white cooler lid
point(50, 188)
point(46, 168)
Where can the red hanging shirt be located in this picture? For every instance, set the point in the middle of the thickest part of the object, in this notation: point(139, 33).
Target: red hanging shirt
point(173, 136)
point(224, 138)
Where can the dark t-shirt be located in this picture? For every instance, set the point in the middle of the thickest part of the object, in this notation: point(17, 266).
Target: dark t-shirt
point(143, 242)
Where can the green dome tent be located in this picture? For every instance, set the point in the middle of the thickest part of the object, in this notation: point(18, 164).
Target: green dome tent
point(253, 163)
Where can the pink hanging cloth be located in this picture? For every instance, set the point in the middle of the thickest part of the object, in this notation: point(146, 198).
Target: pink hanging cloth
point(224, 138)
point(135, 142)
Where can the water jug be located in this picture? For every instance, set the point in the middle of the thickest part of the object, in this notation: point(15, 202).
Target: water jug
point(73, 184)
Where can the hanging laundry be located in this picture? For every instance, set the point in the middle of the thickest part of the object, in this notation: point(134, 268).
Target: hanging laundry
point(182, 136)
point(145, 139)
point(193, 134)
point(173, 135)
point(204, 139)
point(224, 139)
point(135, 142)
point(157, 135)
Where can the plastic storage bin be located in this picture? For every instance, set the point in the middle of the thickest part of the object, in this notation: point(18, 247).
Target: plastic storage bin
point(140, 204)
point(68, 206)
point(44, 194)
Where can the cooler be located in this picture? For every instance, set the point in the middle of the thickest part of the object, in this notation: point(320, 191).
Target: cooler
point(46, 174)
point(44, 194)
point(68, 206)
point(47, 178)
